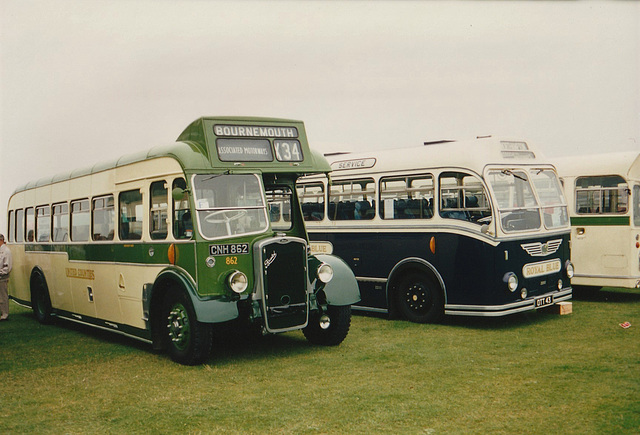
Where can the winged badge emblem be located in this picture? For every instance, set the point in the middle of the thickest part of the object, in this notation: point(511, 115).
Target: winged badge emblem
point(538, 249)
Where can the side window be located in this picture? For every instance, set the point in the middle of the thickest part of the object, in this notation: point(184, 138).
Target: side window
point(602, 194)
point(103, 214)
point(182, 220)
point(43, 223)
point(159, 207)
point(406, 197)
point(30, 225)
point(636, 205)
point(131, 215)
point(312, 200)
point(352, 200)
point(12, 226)
point(20, 226)
point(80, 220)
point(463, 197)
point(60, 222)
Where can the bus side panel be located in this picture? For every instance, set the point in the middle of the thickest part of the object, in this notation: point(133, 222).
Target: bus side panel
point(604, 254)
point(19, 287)
point(471, 269)
point(58, 281)
point(372, 256)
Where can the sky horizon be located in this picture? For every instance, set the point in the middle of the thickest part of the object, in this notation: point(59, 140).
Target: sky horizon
point(86, 82)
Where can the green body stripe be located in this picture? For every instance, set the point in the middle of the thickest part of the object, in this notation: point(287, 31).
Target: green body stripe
point(600, 221)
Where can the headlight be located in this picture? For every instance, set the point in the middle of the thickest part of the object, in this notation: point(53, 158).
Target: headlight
point(524, 293)
point(238, 282)
point(324, 272)
point(560, 284)
point(568, 267)
point(512, 281)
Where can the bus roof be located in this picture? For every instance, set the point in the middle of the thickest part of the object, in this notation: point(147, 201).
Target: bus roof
point(474, 154)
point(625, 163)
point(248, 144)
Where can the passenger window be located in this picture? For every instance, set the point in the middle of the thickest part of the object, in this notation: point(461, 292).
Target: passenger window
point(158, 214)
point(352, 200)
point(30, 225)
point(312, 200)
point(43, 223)
point(12, 226)
point(602, 194)
point(80, 220)
point(60, 222)
point(463, 197)
point(131, 216)
point(103, 217)
point(636, 205)
point(20, 226)
point(182, 220)
point(406, 197)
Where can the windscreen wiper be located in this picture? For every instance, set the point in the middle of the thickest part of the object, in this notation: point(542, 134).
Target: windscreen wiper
point(509, 172)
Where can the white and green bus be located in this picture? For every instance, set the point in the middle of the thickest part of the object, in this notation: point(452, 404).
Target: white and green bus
point(164, 244)
point(603, 192)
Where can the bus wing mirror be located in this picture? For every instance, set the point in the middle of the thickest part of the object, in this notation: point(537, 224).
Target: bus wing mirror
point(178, 194)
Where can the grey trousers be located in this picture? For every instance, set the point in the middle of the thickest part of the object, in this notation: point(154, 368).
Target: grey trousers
point(4, 298)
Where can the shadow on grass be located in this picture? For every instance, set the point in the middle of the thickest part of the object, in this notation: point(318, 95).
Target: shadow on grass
point(232, 343)
point(607, 294)
point(511, 321)
point(27, 328)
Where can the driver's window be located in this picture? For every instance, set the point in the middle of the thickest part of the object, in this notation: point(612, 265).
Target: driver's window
point(279, 202)
point(182, 220)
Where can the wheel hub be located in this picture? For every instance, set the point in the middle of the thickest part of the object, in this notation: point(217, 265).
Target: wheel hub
point(178, 326)
point(418, 297)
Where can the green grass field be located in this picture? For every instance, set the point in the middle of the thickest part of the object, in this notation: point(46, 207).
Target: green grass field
point(532, 373)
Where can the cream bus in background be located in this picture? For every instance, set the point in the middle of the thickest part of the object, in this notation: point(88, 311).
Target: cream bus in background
point(603, 192)
point(474, 228)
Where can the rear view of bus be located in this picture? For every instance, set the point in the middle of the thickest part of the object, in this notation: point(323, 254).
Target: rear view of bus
point(603, 192)
point(476, 228)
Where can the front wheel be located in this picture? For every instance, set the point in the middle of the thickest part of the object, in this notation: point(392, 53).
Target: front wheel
point(189, 342)
point(329, 328)
point(420, 299)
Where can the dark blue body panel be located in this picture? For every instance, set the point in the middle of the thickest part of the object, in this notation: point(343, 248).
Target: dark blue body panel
point(471, 268)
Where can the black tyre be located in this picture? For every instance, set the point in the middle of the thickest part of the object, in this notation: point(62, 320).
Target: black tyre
point(40, 300)
point(329, 328)
point(419, 299)
point(188, 341)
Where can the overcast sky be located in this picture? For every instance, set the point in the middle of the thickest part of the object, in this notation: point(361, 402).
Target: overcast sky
point(87, 81)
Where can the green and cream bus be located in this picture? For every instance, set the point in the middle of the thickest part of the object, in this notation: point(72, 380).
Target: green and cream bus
point(603, 192)
point(164, 244)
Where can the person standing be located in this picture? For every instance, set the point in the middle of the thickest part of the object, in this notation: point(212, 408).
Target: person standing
point(5, 269)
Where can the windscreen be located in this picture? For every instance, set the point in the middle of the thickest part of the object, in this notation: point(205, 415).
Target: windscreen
point(528, 199)
point(229, 205)
point(554, 205)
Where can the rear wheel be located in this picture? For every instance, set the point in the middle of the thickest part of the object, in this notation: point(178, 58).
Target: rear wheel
point(189, 342)
point(420, 299)
point(40, 300)
point(329, 328)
